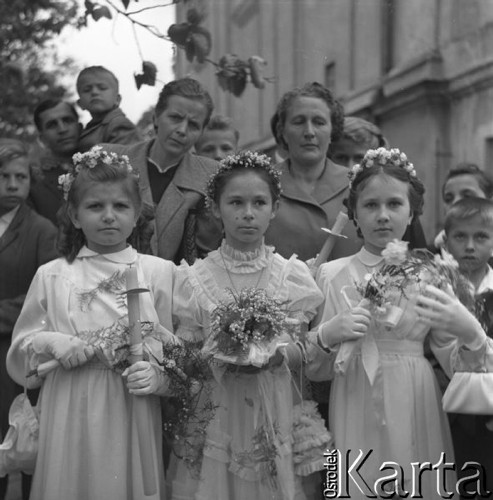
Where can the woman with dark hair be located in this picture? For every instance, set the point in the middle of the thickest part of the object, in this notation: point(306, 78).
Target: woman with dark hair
point(307, 120)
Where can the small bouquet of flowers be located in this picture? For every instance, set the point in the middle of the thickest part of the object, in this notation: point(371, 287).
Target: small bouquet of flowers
point(405, 271)
point(189, 408)
point(247, 330)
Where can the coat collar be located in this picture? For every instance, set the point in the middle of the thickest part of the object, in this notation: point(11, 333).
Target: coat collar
point(332, 183)
point(191, 172)
point(13, 229)
point(107, 118)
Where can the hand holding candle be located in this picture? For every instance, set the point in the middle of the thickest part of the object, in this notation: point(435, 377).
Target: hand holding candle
point(136, 354)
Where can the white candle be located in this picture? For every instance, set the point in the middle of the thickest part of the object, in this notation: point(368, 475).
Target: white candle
point(133, 304)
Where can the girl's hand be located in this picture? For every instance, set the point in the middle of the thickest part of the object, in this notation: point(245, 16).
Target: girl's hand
point(444, 311)
point(68, 350)
point(347, 325)
point(144, 378)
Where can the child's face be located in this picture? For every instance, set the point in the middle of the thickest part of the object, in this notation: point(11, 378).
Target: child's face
point(60, 129)
point(216, 144)
point(382, 211)
point(471, 243)
point(459, 187)
point(98, 93)
point(14, 184)
point(347, 152)
point(179, 126)
point(246, 209)
point(106, 214)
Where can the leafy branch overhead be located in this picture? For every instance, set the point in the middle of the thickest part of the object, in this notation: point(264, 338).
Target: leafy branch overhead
point(232, 73)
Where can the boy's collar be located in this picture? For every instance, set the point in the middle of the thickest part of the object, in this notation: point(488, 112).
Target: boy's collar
point(486, 282)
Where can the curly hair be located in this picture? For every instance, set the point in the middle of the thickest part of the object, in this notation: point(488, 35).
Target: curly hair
point(313, 89)
point(72, 239)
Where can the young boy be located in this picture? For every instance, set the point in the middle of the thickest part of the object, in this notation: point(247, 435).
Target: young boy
point(27, 241)
point(358, 136)
point(469, 238)
point(219, 139)
point(98, 93)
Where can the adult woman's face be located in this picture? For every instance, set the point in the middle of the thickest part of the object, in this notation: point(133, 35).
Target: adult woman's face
point(307, 130)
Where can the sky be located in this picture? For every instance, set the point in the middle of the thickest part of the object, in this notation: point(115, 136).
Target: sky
point(111, 43)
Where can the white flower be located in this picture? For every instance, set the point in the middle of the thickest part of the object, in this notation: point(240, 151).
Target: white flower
point(395, 252)
point(65, 181)
point(367, 277)
point(446, 259)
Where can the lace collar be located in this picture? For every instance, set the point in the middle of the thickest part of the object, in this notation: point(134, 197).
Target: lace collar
point(242, 262)
point(369, 259)
point(127, 256)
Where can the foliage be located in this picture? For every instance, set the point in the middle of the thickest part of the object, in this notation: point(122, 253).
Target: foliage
point(189, 409)
point(191, 36)
point(405, 270)
point(26, 29)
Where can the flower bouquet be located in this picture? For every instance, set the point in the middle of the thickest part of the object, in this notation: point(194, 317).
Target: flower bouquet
point(189, 408)
point(247, 330)
point(405, 272)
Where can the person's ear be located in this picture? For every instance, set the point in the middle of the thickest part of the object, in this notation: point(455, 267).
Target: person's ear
point(411, 215)
point(275, 209)
point(154, 123)
point(73, 217)
point(445, 242)
point(118, 99)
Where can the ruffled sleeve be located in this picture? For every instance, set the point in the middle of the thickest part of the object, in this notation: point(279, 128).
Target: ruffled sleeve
point(189, 318)
point(304, 296)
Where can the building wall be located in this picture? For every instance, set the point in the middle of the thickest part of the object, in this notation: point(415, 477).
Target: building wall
point(420, 69)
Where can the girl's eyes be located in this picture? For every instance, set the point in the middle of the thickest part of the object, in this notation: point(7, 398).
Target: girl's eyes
point(391, 204)
point(240, 202)
point(97, 206)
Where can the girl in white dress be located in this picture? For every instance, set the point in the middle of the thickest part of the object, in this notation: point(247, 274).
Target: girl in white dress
point(384, 397)
point(76, 313)
point(253, 402)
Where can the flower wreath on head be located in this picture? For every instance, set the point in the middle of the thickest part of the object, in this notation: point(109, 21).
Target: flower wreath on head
point(246, 159)
point(95, 157)
point(382, 157)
